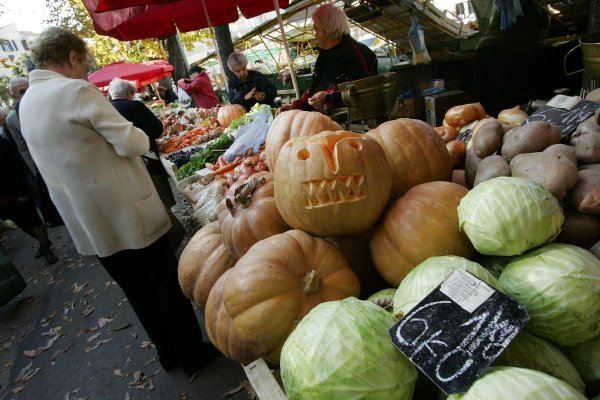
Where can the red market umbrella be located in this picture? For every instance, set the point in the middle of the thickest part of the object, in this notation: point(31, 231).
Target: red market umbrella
point(124, 22)
point(143, 74)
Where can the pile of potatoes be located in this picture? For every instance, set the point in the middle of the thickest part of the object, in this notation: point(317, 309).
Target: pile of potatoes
point(569, 168)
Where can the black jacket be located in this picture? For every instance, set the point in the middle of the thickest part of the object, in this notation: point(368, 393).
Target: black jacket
point(237, 89)
point(142, 118)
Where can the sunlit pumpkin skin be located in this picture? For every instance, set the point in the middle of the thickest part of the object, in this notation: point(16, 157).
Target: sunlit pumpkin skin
point(251, 217)
point(219, 326)
point(292, 124)
point(229, 113)
point(415, 152)
point(421, 224)
point(357, 251)
point(203, 260)
point(278, 281)
point(332, 183)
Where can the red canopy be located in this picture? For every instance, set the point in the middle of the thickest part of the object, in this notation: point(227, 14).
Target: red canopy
point(164, 17)
point(143, 74)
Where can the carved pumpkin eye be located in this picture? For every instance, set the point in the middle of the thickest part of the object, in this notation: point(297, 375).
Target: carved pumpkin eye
point(303, 154)
point(356, 144)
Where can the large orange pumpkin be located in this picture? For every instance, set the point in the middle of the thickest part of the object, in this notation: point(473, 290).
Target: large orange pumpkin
point(277, 282)
point(229, 113)
point(292, 124)
point(415, 152)
point(421, 224)
point(202, 262)
point(219, 326)
point(248, 213)
point(332, 183)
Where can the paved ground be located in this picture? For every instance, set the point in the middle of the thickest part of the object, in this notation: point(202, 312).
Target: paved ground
point(72, 335)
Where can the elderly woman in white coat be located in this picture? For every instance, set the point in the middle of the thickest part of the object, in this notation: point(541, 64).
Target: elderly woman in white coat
point(89, 156)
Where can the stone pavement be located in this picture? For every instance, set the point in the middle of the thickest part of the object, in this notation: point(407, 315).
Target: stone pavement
point(71, 334)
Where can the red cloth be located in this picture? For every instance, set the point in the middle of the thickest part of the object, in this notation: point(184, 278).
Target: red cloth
point(201, 91)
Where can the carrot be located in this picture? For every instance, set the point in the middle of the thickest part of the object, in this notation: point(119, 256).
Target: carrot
point(226, 168)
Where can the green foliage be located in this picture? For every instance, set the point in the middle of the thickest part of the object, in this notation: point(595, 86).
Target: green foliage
point(18, 67)
point(4, 93)
point(190, 39)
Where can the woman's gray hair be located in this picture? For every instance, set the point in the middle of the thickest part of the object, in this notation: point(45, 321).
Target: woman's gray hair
point(236, 59)
point(53, 47)
point(333, 20)
point(120, 89)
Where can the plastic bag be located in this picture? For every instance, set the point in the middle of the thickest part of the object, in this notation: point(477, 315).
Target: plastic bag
point(416, 38)
point(205, 209)
point(182, 95)
point(252, 135)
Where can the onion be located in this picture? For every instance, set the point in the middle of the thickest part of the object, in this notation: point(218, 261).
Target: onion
point(512, 116)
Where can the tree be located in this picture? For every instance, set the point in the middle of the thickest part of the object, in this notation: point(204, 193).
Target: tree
point(22, 65)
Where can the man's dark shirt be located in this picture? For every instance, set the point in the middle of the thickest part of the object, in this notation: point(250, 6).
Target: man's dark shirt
point(237, 89)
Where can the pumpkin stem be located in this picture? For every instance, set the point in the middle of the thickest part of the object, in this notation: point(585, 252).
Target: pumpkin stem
point(311, 282)
point(243, 194)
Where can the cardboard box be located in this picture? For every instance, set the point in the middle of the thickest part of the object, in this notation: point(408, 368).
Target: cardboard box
point(437, 105)
point(411, 107)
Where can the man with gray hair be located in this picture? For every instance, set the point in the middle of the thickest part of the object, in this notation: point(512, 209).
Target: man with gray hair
point(248, 87)
point(17, 88)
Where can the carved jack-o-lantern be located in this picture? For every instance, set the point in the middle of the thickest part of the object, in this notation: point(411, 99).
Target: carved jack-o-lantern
point(332, 183)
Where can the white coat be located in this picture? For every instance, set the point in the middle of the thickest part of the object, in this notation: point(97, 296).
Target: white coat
point(89, 157)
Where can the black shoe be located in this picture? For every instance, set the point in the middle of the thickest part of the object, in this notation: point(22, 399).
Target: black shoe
point(51, 258)
point(39, 252)
point(199, 360)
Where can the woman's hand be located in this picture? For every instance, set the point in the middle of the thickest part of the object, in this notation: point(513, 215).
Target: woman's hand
point(318, 99)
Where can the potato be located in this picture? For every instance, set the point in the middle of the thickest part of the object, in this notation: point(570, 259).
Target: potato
point(587, 147)
point(579, 229)
point(590, 166)
point(488, 139)
point(491, 167)
point(458, 152)
point(585, 195)
point(565, 150)
point(554, 172)
point(530, 138)
point(588, 126)
point(508, 134)
point(471, 164)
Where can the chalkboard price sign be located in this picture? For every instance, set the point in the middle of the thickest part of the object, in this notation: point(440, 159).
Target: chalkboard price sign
point(458, 330)
point(566, 119)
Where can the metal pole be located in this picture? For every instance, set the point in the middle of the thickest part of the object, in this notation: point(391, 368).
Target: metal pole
point(287, 50)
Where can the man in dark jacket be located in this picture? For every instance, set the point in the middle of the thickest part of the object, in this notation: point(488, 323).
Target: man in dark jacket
point(248, 87)
point(341, 59)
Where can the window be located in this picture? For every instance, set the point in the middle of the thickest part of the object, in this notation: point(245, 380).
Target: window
point(25, 45)
point(15, 48)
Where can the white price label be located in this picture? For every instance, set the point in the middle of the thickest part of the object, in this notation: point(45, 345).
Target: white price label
point(562, 101)
point(466, 290)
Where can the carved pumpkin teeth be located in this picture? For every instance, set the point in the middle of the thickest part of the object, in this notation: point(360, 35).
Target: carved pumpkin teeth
point(332, 191)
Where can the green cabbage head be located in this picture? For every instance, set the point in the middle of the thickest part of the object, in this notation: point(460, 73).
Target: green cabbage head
point(341, 350)
point(428, 275)
point(586, 358)
point(507, 216)
point(559, 285)
point(511, 383)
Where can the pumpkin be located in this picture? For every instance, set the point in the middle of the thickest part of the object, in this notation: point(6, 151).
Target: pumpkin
point(248, 213)
point(332, 183)
point(203, 260)
point(421, 224)
point(219, 326)
point(415, 152)
point(229, 113)
point(277, 282)
point(357, 251)
point(292, 124)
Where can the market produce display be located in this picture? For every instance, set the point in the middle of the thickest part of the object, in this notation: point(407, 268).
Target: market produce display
point(318, 216)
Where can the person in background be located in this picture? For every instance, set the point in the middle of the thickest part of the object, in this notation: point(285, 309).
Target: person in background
point(502, 60)
point(199, 88)
point(167, 94)
point(17, 199)
point(17, 88)
point(122, 94)
point(248, 87)
point(91, 161)
point(260, 66)
point(341, 59)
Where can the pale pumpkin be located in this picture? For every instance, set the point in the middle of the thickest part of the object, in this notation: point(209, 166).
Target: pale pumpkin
point(229, 113)
point(415, 152)
point(277, 282)
point(332, 183)
point(292, 124)
point(421, 224)
point(203, 260)
point(219, 326)
point(248, 213)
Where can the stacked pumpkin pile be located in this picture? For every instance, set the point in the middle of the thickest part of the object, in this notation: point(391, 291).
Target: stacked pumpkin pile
point(339, 215)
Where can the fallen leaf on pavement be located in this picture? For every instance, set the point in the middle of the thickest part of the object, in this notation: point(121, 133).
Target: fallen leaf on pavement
point(104, 320)
point(93, 337)
point(118, 372)
point(26, 373)
point(87, 311)
point(75, 288)
point(127, 396)
point(70, 305)
point(59, 352)
point(36, 352)
point(120, 328)
point(96, 345)
point(52, 331)
point(18, 389)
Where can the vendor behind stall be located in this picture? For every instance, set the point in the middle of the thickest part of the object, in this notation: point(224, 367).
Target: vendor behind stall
point(199, 88)
point(248, 87)
point(341, 59)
